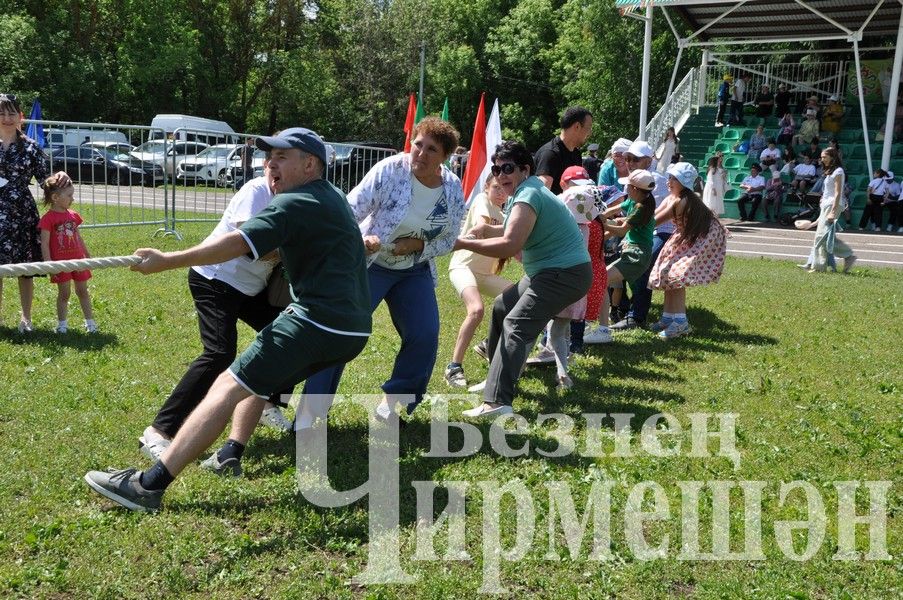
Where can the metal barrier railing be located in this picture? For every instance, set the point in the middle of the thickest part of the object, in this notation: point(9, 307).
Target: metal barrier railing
point(675, 111)
point(114, 176)
point(822, 79)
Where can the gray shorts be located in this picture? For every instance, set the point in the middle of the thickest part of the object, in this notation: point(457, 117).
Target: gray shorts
point(633, 262)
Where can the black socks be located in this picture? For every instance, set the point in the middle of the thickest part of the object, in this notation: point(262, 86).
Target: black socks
point(156, 478)
point(231, 449)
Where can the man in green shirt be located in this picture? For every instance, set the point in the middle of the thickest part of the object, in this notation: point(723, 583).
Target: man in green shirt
point(310, 224)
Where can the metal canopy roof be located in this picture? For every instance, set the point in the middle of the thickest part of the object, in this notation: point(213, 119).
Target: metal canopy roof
point(759, 21)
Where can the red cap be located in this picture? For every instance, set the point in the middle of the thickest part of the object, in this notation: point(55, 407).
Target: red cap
point(576, 175)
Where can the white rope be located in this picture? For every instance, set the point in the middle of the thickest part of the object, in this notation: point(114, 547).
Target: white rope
point(66, 266)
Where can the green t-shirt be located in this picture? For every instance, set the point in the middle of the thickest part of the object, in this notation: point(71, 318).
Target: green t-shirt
point(322, 252)
point(641, 233)
point(556, 241)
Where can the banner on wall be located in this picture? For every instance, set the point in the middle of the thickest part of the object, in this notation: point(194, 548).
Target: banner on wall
point(876, 76)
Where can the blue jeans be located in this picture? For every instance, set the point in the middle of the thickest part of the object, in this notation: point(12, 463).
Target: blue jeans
point(411, 298)
point(642, 295)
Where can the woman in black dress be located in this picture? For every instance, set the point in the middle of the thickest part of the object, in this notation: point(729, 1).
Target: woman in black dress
point(20, 160)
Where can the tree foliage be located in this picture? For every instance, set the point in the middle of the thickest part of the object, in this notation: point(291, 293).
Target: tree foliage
point(344, 67)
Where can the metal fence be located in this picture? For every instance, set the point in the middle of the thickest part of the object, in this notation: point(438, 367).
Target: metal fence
point(116, 180)
point(822, 79)
point(134, 175)
point(675, 111)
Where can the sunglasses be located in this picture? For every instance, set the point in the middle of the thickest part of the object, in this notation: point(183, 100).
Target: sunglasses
point(507, 169)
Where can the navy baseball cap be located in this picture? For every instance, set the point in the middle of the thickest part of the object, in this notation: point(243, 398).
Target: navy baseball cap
point(301, 138)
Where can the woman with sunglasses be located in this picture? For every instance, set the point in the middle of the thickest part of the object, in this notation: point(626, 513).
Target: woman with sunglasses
point(556, 263)
point(20, 160)
point(409, 208)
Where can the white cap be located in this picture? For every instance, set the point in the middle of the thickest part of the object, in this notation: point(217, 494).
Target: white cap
point(890, 175)
point(640, 149)
point(620, 145)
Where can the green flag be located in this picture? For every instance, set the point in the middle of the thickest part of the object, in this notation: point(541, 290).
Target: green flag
point(418, 115)
point(445, 110)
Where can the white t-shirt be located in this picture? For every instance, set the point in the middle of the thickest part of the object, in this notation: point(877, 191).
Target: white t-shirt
point(754, 182)
point(895, 190)
point(660, 192)
point(770, 153)
point(246, 275)
point(422, 221)
point(828, 192)
point(479, 208)
point(878, 186)
point(804, 170)
point(739, 91)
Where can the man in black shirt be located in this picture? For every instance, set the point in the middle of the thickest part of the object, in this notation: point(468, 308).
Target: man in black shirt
point(563, 150)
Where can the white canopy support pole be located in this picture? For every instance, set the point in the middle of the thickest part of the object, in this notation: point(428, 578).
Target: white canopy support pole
point(647, 59)
point(703, 77)
point(865, 124)
point(680, 50)
point(892, 98)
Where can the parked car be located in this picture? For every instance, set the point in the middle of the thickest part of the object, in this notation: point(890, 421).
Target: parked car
point(113, 148)
point(232, 176)
point(168, 156)
point(93, 165)
point(353, 160)
point(188, 128)
point(208, 165)
point(65, 137)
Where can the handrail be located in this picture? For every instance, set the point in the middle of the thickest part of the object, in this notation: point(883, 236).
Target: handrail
point(675, 111)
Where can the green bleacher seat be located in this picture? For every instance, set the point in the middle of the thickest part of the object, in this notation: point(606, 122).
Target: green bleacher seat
point(723, 147)
point(732, 133)
point(847, 136)
point(855, 167)
point(733, 162)
point(858, 182)
point(732, 194)
point(897, 150)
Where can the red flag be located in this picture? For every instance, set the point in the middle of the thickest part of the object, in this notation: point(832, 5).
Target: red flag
point(477, 159)
point(409, 122)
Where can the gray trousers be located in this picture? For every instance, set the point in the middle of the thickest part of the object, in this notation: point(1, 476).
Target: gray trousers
point(519, 314)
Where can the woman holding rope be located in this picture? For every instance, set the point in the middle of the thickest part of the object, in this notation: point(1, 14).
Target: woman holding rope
point(20, 160)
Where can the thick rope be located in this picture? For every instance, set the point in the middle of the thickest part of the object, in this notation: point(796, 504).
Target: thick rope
point(66, 266)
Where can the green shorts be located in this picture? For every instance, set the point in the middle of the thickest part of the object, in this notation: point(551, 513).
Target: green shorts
point(288, 351)
point(633, 262)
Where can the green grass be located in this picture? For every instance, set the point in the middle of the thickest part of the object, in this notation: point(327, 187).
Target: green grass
point(811, 364)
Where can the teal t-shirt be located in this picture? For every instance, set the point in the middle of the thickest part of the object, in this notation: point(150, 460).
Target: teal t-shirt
point(556, 241)
point(322, 252)
point(642, 231)
point(608, 174)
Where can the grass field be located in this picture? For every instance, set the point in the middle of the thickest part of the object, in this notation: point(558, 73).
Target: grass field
point(810, 364)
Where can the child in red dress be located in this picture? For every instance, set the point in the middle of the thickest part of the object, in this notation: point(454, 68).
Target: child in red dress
point(60, 240)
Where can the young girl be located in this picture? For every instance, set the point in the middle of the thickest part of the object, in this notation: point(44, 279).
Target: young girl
point(694, 255)
point(716, 185)
point(20, 160)
point(474, 274)
point(667, 150)
point(60, 241)
point(786, 127)
point(637, 228)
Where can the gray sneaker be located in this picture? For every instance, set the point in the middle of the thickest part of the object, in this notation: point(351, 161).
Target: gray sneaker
point(627, 322)
point(124, 487)
point(481, 350)
point(231, 467)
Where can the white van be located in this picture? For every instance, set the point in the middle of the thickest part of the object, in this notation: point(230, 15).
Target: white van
point(62, 136)
point(193, 129)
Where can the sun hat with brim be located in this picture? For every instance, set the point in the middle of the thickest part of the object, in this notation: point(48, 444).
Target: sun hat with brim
point(300, 138)
point(621, 145)
point(639, 178)
point(684, 173)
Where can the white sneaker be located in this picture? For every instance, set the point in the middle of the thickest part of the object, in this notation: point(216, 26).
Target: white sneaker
point(545, 356)
point(484, 411)
point(153, 445)
point(889, 228)
point(454, 376)
point(25, 326)
point(273, 417)
point(90, 327)
point(675, 330)
point(900, 230)
point(477, 387)
point(600, 335)
point(61, 329)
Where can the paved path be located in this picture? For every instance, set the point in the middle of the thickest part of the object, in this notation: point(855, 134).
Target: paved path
point(783, 243)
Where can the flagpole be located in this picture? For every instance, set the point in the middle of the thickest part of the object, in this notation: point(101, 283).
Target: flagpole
point(422, 69)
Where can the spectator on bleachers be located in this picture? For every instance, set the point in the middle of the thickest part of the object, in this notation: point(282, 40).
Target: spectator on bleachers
point(724, 96)
point(716, 185)
point(786, 129)
point(782, 100)
point(804, 175)
point(874, 208)
point(813, 151)
point(894, 203)
point(812, 104)
point(833, 143)
point(832, 117)
point(774, 193)
point(809, 130)
point(738, 98)
point(764, 101)
point(770, 156)
point(669, 149)
point(753, 185)
point(757, 142)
